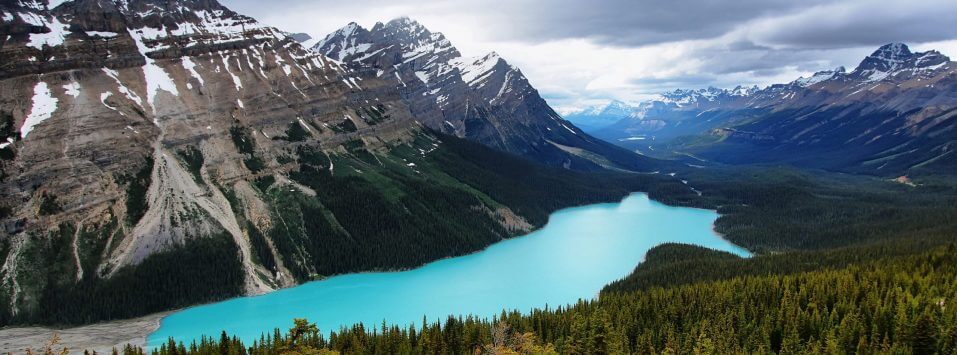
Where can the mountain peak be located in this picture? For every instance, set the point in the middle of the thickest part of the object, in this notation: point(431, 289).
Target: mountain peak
point(617, 108)
point(892, 58)
point(402, 21)
point(343, 42)
point(402, 24)
point(744, 90)
point(892, 51)
point(818, 77)
point(609, 112)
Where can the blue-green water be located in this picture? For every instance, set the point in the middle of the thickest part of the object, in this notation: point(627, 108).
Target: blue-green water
point(580, 250)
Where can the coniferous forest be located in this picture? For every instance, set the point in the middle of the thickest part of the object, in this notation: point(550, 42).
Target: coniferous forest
point(889, 305)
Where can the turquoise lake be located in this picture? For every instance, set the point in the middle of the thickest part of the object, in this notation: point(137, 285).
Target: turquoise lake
point(579, 251)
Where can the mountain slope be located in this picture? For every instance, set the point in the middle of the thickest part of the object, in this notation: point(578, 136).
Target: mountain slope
point(121, 126)
point(893, 114)
point(158, 154)
point(483, 99)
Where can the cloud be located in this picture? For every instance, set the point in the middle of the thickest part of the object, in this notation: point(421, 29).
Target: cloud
point(631, 22)
point(677, 81)
point(575, 52)
point(859, 23)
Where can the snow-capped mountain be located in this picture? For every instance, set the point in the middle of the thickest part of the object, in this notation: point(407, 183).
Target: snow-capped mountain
point(890, 114)
point(597, 116)
point(895, 61)
point(481, 98)
point(818, 77)
point(704, 98)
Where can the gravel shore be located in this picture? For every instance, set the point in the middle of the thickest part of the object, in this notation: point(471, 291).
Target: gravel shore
point(99, 337)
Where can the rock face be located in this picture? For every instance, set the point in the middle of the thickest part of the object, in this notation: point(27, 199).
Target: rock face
point(127, 123)
point(483, 99)
point(890, 115)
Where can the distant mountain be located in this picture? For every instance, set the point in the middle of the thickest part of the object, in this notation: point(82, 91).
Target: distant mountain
point(483, 99)
point(893, 114)
point(595, 117)
point(669, 115)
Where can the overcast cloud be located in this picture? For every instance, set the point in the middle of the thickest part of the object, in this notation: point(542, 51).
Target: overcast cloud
point(584, 52)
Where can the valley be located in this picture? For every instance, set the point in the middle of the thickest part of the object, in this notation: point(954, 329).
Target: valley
point(892, 115)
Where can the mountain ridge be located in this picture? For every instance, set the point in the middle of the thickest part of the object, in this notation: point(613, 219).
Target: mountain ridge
point(482, 98)
point(896, 105)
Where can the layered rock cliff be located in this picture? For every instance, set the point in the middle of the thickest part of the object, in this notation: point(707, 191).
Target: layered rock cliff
point(127, 123)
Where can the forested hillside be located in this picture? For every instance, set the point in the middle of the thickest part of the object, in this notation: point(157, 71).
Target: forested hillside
point(363, 207)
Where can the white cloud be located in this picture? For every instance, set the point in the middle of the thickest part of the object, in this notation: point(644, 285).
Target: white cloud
point(577, 52)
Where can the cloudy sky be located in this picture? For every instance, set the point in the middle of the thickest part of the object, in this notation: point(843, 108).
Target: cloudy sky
point(584, 52)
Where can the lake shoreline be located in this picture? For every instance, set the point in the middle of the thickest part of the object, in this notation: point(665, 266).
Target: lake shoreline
point(101, 337)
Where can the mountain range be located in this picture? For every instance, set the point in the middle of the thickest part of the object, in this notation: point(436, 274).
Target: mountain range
point(483, 99)
point(894, 114)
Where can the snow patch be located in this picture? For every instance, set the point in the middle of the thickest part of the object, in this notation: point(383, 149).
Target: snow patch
point(472, 70)
point(399, 77)
point(55, 37)
point(236, 82)
point(104, 34)
point(52, 4)
point(72, 89)
point(303, 124)
point(156, 78)
point(43, 106)
point(191, 67)
point(123, 89)
point(423, 76)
